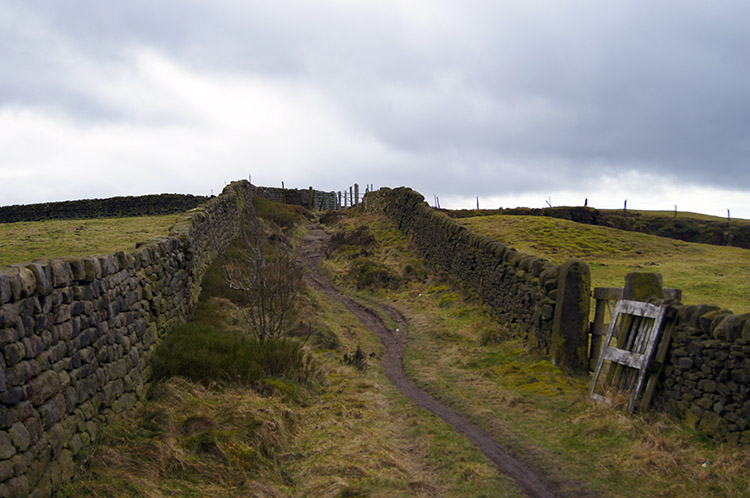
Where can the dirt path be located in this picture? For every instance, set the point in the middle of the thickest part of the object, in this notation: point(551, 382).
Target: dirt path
point(395, 342)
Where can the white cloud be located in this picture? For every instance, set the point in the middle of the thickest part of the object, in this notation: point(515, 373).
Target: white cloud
point(186, 131)
point(483, 98)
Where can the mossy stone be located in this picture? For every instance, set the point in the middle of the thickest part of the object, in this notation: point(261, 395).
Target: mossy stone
point(713, 425)
point(569, 341)
point(643, 286)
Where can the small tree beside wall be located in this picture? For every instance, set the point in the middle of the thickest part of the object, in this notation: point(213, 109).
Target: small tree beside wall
point(266, 275)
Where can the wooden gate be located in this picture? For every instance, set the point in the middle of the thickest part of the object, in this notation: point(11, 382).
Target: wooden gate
point(637, 326)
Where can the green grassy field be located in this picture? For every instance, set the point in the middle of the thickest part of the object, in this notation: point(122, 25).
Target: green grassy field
point(25, 241)
point(705, 273)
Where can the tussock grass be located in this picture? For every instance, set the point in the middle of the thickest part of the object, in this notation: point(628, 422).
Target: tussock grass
point(24, 241)
point(189, 440)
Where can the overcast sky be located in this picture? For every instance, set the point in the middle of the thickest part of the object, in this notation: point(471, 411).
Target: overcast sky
point(515, 102)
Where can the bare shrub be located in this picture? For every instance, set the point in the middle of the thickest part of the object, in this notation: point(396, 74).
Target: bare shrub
point(266, 274)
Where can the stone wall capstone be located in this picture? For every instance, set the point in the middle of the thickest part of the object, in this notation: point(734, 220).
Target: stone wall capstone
point(76, 336)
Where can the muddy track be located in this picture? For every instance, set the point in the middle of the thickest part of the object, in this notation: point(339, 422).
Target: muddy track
point(533, 483)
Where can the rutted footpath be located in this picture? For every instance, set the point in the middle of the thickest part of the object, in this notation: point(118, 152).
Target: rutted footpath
point(533, 483)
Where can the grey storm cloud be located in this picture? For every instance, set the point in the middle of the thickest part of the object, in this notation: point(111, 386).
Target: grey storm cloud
point(474, 97)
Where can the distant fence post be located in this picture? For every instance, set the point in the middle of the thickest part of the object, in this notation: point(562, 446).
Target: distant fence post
point(356, 194)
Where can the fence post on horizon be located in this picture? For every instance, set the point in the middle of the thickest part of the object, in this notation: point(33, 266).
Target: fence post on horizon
point(283, 193)
point(728, 217)
point(310, 203)
point(356, 194)
point(625, 206)
point(339, 198)
point(477, 203)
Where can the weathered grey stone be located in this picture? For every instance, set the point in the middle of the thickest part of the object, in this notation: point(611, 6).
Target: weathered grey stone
point(6, 291)
point(685, 363)
point(108, 265)
point(18, 486)
point(67, 466)
point(62, 274)
point(77, 269)
point(75, 444)
point(42, 274)
point(49, 413)
point(711, 317)
point(6, 470)
point(7, 449)
point(20, 436)
point(92, 269)
point(44, 387)
point(9, 316)
point(643, 286)
point(730, 327)
point(569, 341)
point(741, 375)
point(28, 282)
point(14, 353)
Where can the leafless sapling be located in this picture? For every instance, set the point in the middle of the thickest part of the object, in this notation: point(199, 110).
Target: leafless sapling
point(266, 274)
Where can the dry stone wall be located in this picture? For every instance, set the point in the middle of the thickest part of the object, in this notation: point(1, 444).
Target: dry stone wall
point(520, 290)
point(706, 379)
point(76, 336)
point(102, 208)
point(311, 199)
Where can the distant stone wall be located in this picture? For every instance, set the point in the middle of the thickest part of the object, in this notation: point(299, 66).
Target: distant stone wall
point(76, 336)
point(311, 199)
point(706, 381)
point(113, 207)
point(520, 290)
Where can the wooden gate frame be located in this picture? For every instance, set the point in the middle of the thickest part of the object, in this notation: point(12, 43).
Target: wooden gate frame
point(638, 339)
